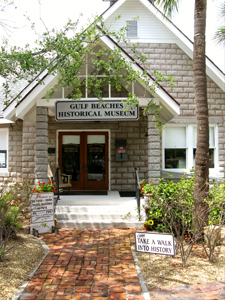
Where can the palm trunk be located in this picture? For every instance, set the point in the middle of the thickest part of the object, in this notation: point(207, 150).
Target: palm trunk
point(200, 90)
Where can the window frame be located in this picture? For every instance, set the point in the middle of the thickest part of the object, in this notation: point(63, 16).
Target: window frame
point(132, 37)
point(189, 149)
point(6, 130)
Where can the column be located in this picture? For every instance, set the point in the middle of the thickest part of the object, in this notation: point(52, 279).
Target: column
point(28, 151)
point(42, 144)
point(154, 151)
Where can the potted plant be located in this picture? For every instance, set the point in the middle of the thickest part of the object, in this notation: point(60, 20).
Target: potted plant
point(147, 189)
point(148, 223)
point(42, 187)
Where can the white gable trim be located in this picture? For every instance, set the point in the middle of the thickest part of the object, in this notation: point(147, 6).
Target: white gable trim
point(180, 39)
point(39, 92)
point(112, 9)
point(187, 46)
point(10, 110)
point(30, 95)
point(5, 121)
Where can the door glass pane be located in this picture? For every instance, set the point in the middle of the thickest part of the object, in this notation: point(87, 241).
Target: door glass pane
point(71, 156)
point(96, 157)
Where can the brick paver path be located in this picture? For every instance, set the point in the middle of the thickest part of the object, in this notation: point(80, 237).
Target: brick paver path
point(208, 291)
point(86, 264)
point(98, 264)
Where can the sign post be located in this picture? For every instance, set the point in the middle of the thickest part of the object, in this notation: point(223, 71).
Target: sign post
point(42, 212)
point(155, 243)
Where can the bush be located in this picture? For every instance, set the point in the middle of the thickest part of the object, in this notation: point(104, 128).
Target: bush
point(216, 203)
point(172, 200)
point(172, 209)
point(12, 220)
point(13, 199)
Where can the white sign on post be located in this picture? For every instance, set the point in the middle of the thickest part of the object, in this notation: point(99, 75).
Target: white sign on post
point(155, 243)
point(42, 212)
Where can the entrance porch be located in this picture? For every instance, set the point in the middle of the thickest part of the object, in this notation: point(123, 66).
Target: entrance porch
point(105, 211)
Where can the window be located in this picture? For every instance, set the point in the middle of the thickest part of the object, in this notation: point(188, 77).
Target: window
point(175, 148)
point(211, 146)
point(131, 28)
point(179, 147)
point(3, 149)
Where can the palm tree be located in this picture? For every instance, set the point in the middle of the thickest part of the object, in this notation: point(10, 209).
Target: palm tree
point(200, 90)
point(219, 36)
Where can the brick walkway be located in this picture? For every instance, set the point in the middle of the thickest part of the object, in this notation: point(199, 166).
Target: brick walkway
point(208, 291)
point(86, 264)
point(98, 264)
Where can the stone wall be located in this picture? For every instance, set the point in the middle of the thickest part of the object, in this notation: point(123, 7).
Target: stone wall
point(14, 152)
point(172, 61)
point(145, 153)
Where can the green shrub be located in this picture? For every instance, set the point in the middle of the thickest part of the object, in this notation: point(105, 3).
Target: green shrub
point(12, 220)
point(216, 203)
point(13, 199)
point(172, 201)
point(172, 209)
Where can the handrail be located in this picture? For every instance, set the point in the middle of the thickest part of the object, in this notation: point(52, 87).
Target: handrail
point(57, 182)
point(138, 192)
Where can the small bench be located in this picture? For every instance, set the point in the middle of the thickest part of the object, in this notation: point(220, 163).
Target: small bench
point(62, 185)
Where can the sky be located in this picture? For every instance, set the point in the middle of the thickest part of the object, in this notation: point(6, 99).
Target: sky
point(54, 14)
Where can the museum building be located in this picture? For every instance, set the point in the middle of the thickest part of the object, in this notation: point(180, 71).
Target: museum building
point(100, 144)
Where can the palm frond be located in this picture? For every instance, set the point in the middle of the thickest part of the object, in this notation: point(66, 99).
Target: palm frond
point(219, 36)
point(168, 6)
point(222, 10)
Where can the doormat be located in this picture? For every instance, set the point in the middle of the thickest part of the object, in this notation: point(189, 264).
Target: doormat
point(127, 193)
point(85, 193)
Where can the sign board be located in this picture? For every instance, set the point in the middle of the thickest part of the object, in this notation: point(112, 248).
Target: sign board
point(155, 243)
point(42, 212)
point(121, 151)
point(109, 110)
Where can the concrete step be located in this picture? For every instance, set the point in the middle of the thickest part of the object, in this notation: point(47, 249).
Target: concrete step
point(99, 224)
point(97, 212)
point(100, 216)
point(95, 209)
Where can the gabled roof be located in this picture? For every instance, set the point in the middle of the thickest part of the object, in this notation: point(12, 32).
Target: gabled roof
point(217, 75)
point(34, 91)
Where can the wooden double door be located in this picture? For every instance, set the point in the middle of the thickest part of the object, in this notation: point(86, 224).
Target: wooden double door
point(84, 156)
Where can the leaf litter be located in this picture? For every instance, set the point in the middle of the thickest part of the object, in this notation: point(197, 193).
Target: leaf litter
point(162, 270)
point(18, 264)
